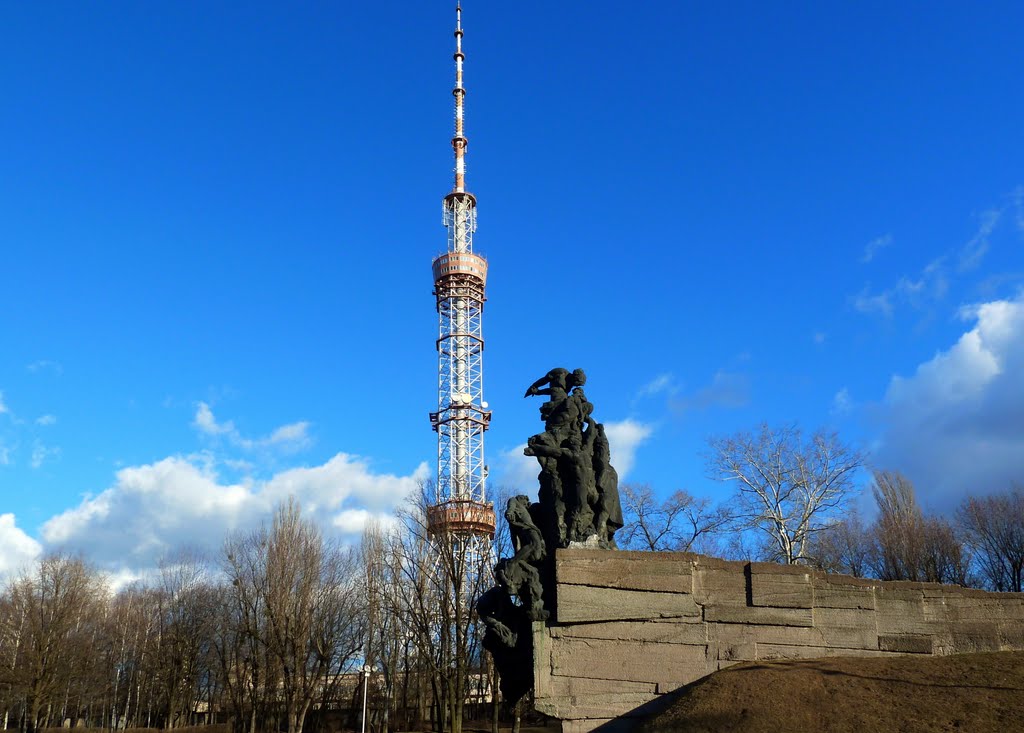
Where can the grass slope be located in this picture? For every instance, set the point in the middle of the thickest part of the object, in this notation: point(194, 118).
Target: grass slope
point(910, 694)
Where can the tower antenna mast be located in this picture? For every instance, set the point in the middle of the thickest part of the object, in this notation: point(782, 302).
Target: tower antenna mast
point(461, 516)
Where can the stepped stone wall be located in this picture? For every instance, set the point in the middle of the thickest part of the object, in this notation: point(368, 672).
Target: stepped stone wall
point(632, 626)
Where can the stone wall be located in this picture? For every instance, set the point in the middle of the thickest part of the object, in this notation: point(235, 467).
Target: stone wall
point(631, 626)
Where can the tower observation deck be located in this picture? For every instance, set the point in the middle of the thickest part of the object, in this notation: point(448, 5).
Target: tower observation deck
point(460, 512)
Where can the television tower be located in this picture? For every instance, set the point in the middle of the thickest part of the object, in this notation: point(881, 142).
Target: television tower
point(461, 514)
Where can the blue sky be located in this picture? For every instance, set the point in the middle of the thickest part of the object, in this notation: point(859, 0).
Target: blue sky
point(217, 224)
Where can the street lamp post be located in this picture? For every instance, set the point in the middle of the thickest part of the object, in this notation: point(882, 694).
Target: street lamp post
point(366, 683)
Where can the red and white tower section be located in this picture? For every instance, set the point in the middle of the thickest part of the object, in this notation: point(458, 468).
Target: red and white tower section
point(461, 511)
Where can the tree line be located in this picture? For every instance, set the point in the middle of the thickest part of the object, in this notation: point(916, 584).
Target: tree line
point(794, 502)
point(283, 629)
point(273, 633)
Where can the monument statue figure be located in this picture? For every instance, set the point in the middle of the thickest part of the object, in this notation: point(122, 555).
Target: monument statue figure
point(578, 505)
point(608, 506)
point(578, 486)
point(519, 573)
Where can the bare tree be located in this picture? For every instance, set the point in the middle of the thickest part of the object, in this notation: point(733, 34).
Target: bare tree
point(911, 546)
point(133, 622)
point(994, 526)
point(844, 546)
point(58, 607)
point(185, 617)
point(678, 523)
point(899, 529)
point(12, 631)
point(240, 642)
point(787, 487)
point(439, 579)
point(298, 606)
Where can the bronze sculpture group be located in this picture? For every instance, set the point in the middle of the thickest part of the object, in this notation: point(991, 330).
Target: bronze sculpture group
point(578, 506)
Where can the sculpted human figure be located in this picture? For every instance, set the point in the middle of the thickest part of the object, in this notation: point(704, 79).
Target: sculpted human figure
point(578, 501)
point(608, 507)
point(507, 638)
point(560, 414)
point(579, 456)
point(498, 612)
point(519, 572)
point(557, 381)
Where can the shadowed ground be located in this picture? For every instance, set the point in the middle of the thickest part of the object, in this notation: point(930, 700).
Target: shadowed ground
point(966, 692)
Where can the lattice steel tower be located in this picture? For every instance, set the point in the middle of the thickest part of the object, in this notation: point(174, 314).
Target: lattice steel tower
point(461, 512)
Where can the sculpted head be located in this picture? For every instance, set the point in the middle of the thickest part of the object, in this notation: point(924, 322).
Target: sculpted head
point(559, 377)
point(517, 509)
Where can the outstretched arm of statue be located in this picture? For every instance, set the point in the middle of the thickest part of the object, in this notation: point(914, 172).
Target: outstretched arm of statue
point(535, 388)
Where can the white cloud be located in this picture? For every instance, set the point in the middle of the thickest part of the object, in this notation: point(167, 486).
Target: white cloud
point(41, 453)
point(46, 365)
point(624, 437)
point(869, 303)
point(46, 420)
point(1017, 201)
point(517, 471)
point(343, 477)
point(289, 438)
point(934, 281)
point(121, 577)
point(975, 250)
point(17, 549)
point(205, 422)
point(661, 383)
point(352, 522)
point(956, 426)
point(875, 246)
point(842, 403)
point(295, 435)
point(5, 455)
point(931, 285)
point(154, 508)
point(727, 389)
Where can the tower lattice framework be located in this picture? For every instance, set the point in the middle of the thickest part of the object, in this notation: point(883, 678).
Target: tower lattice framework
point(461, 517)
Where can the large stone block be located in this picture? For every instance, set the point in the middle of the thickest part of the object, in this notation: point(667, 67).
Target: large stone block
point(846, 628)
point(848, 618)
point(935, 610)
point(781, 651)
point(584, 603)
point(1011, 635)
point(959, 608)
point(726, 635)
point(606, 705)
point(778, 586)
point(607, 725)
point(656, 571)
point(719, 583)
point(834, 594)
point(767, 652)
point(906, 643)
point(584, 686)
point(741, 652)
point(645, 662)
point(737, 614)
point(975, 636)
point(666, 632)
point(541, 660)
point(901, 611)
point(895, 591)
